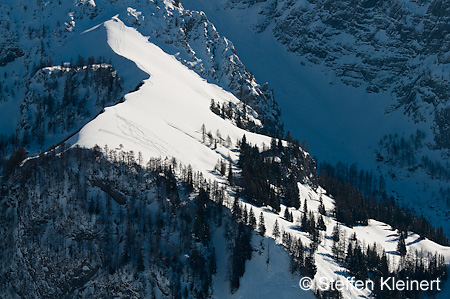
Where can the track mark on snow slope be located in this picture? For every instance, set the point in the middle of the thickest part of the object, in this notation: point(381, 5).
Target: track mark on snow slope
point(187, 134)
point(143, 136)
point(118, 41)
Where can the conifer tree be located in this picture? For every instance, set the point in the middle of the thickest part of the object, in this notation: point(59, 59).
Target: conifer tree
point(305, 207)
point(314, 232)
point(261, 226)
point(336, 233)
point(310, 264)
point(321, 224)
point(228, 142)
point(305, 221)
point(230, 173)
point(252, 219)
point(236, 208)
point(321, 207)
point(287, 215)
point(245, 215)
point(276, 230)
point(203, 130)
point(401, 245)
point(336, 237)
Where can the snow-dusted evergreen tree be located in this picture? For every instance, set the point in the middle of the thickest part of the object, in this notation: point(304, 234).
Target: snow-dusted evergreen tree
point(261, 225)
point(276, 230)
point(252, 219)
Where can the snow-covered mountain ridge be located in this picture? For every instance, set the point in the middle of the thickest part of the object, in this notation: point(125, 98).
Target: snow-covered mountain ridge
point(28, 45)
point(110, 217)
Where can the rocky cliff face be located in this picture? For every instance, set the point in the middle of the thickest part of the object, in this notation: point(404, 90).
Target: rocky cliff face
point(397, 46)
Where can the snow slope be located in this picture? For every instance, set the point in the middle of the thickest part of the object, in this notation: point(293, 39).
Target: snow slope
point(338, 121)
point(261, 279)
point(164, 118)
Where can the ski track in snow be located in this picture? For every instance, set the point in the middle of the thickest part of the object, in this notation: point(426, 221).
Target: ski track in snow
point(184, 132)
point(139, 135)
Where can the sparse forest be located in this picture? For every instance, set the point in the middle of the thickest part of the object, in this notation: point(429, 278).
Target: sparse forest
point(60, 100)
point(270, 176)
point(407, 152)
point(360, 196)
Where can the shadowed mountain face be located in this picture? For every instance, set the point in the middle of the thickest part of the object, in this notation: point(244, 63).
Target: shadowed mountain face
point(401, 47)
